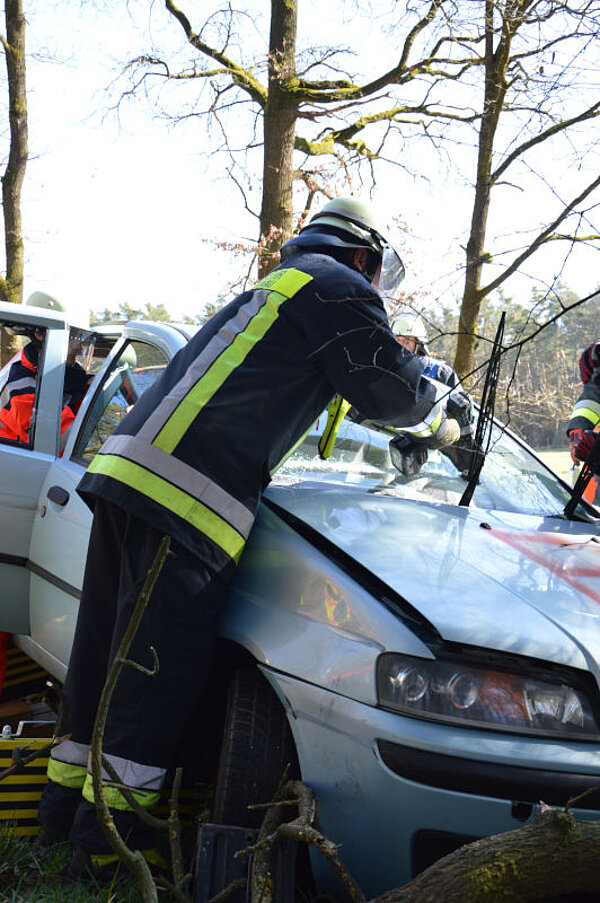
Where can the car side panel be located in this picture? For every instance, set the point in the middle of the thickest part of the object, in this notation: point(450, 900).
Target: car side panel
point(57, 558)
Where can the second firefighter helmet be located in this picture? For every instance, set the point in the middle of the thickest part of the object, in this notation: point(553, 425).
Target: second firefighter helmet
point(81, 338)
point(351, 223)
point(410, 325)
point(77, 319)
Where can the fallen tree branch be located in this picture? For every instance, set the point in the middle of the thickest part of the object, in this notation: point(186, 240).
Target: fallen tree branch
point(556, 855)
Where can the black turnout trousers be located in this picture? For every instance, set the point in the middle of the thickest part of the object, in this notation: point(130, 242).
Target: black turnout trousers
point(147, 717)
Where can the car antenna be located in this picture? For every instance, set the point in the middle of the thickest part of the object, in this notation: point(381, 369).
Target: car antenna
point(483, 430)
point(591, 466)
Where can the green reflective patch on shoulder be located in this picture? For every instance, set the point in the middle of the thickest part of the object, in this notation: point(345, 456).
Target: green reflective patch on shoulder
point(280, 285)
point(286, 282)
point(229, 360)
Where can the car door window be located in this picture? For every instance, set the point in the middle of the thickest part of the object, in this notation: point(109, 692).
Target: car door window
point(19, 384)
point(130, 374)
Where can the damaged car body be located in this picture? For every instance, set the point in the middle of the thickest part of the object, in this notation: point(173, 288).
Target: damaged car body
point(430, 669)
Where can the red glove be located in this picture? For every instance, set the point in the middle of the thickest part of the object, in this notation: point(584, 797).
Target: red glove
point(581, 443)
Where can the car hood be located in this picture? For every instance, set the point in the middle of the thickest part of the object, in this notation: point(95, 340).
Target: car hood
point(517, 583)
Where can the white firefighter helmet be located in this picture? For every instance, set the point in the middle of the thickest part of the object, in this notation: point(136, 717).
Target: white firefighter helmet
point(351, 223)
point(408, 323)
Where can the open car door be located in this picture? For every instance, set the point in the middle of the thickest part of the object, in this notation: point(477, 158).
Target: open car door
point(25, 461)
point(62, 520)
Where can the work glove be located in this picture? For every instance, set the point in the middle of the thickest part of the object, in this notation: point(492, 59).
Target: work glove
point(409, 451)
point(462, 452)
point(407, 455)
point(448, 433)
point(459, 407)
point(589, 360)
point(581, 444)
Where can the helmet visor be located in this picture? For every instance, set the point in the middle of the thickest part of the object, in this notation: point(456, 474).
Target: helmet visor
point(81, 347)
point(392, 272)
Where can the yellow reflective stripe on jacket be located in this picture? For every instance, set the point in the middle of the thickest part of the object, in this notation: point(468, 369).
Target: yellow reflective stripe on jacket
point(588, 409)
point(174, 499)
point(114, 797)
point(437, 420)
point(428, 427)
point(65, 774)
point(189, 479)
point(287, 282)
point(281, 285)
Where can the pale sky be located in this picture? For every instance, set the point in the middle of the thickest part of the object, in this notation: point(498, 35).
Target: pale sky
point(119, 213)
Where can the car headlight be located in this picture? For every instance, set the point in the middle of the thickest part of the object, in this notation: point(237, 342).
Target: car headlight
point(475, 696)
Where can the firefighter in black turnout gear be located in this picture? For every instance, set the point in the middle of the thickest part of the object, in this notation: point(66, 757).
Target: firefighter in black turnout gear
point(191, 460)
point(582, 428)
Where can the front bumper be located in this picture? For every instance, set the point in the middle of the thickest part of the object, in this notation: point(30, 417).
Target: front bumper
point(519, 785)
point(387, 785)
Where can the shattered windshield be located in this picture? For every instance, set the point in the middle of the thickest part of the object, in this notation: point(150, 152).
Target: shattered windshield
point(512, 479)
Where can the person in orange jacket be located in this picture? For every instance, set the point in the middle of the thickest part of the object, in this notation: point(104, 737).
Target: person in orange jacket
point(15, 417)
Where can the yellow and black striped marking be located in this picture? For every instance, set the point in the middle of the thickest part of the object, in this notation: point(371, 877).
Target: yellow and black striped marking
point(20, 792)
point(23, 676)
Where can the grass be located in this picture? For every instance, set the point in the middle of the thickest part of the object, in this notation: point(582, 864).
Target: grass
point(27, 876)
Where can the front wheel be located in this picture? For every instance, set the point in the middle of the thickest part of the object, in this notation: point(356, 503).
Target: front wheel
point(257, 746)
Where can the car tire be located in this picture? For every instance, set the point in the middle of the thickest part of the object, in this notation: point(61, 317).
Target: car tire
point(256, 748)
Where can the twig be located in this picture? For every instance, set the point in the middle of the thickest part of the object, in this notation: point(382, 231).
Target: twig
point(228, 892)
point(301, 829)
point(174, 826)
point(19, 759)
point(142, 813)
point(133, 859)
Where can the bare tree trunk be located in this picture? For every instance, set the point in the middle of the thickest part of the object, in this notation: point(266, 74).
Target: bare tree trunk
point(11, 285)
point(11, 288)
point(495, 91)
point(280, 115)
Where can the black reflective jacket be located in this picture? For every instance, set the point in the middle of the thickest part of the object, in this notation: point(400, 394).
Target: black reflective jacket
point(586, 412)
point(196, 451)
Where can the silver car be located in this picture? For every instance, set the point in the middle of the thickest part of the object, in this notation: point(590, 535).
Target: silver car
point(430, 669)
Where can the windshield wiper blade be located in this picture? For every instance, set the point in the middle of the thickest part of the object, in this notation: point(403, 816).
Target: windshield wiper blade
point(591, 466)
point(483, 430)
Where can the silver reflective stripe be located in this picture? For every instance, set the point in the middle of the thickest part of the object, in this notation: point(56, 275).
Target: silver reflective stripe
point(219, 342)
point(28, 382)
point(134, 775)
point(183, 476)
point(587, 404)
point(72, 753)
